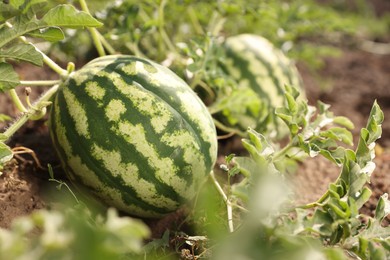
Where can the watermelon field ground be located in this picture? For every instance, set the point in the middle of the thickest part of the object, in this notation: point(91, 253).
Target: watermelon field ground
point(352, 82)
point(353, 77)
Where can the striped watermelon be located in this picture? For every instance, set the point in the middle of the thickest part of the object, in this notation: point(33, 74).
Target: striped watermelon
point(133, 134)
point(261, 70)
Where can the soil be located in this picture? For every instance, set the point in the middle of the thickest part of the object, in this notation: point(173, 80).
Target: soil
point(354, 80)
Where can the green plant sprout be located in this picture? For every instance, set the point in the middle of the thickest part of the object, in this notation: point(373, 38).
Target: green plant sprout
point(336, 221)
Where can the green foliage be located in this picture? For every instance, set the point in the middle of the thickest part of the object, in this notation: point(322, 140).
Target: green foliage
point(269, 231)
point(190, 43)
point(147, 29)
point(73, 234)
point(19, 18)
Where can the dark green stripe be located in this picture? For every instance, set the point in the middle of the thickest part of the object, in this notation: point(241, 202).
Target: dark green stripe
point(165, 93)
point(133, 116)
point(81, 147)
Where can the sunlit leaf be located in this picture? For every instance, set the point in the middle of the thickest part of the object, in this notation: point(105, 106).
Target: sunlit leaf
point(51, 34)
point(382, 208)
point(343, 121)
point(338, 133)
point(60, 16)
point(70, 17)
point(362, 197)
point(22, 24)
point(374, 123)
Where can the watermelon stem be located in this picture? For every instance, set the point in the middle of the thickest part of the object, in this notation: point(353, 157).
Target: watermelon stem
point(18, 103)
point(226, 199)
point(161, 28)
point(31, 112)
point(94, 32)
point(227, 129)
point(283, 152)
point(39, 82)
point(106, 44)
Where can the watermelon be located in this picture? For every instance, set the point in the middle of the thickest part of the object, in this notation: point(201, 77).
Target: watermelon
point(261, 72)
point(133, 134)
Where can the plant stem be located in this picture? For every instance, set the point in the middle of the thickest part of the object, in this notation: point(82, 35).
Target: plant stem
point(227, 129)
point(96, 37)
point(106, 44)
point(26, 115)
point(283, 151)
point(54, 66)
point(316, 203)
point(226, 200)
point(18, 103)
point(161, 29)
point(39, 82)
point(195, 21)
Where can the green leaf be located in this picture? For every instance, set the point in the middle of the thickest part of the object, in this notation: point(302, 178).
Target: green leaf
point(22, 52)
point(7, 11)
point(8, 77)
point(30, 4)
point(61, 15)
point(362, 197)
point(340, 134)
point(70, 17)
point(22, 24)
point(334, 254)
point(156, 244)
point(382, 208)
point(246, 165)
point(241, 190)
point(291, 103)
point(4, 118)
point(376, 252)
point(5, 153)
point(374, 123)
point(343, 121)
point(17, 7)
point(51, 34)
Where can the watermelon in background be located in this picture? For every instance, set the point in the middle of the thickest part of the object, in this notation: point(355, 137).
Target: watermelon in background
point(261, 72)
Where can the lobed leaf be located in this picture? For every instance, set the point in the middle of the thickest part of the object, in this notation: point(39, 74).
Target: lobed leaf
point(8, 77)
point(68, 16)
point(22, 52)
point(18, 7)
point(22, 24)
point(59, 16)
point(7, 11)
